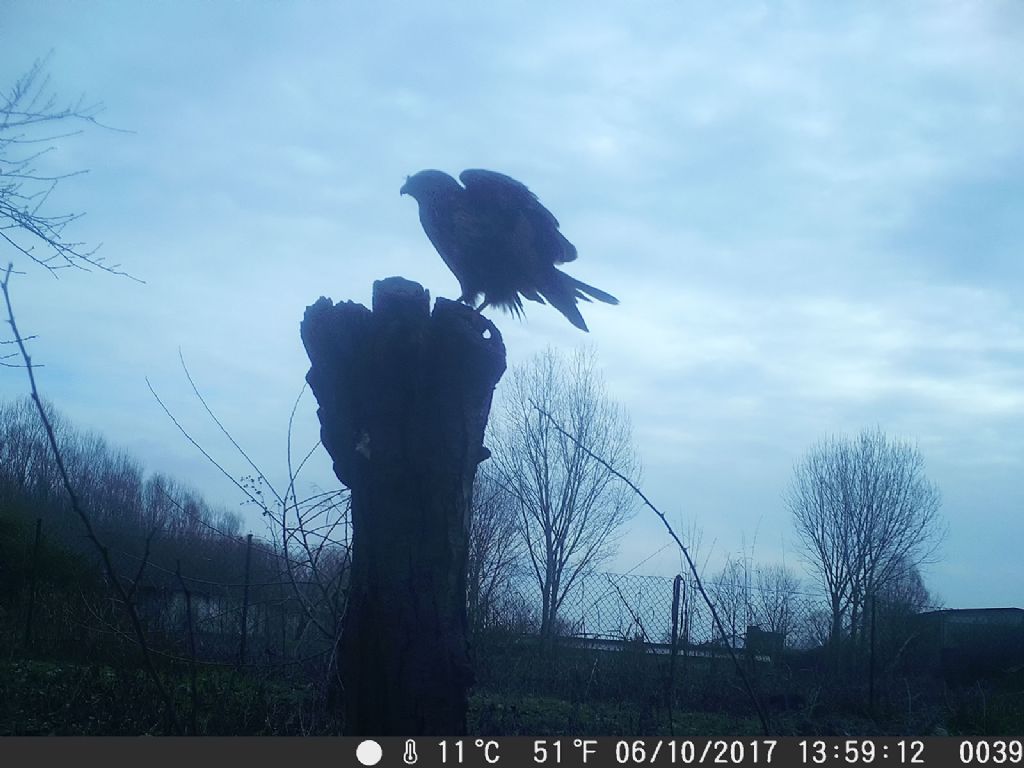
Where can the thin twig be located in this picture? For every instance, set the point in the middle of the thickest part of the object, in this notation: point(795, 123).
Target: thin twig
point(223, 429)
point(142, 564)
point(689, 561)
point(629, 609)
point(286, 534)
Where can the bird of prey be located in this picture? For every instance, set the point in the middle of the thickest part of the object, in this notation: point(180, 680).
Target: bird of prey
point(499, 242)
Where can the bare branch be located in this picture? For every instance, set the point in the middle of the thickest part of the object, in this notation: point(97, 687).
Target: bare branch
point(26, 111)
point(142, 564)
point(693, 567)
point(108, 566)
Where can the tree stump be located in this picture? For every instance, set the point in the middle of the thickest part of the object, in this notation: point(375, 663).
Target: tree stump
point(404, 397)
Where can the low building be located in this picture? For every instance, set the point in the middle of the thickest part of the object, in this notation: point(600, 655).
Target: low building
point(971, 641)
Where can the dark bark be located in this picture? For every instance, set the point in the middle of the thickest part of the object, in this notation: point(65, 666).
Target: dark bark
point(836, 635)
point(404, 398)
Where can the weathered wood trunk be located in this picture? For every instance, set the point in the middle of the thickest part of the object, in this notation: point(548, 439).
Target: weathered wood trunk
point(404, 398)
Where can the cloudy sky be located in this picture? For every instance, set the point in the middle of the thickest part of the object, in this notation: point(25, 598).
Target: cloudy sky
point(811, 213)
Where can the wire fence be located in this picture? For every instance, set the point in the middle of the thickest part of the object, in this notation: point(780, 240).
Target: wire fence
point(239, 601)
point(640, 608)
point(233, 601)
point(876, 635)
point(612, 606)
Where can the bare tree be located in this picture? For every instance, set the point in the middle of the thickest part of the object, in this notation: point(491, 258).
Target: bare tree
point(124, 506)
point(866, 514)
point(495, 548)
point(777, 587)
point(731, 593)
point(26, 466)
point(570, 504)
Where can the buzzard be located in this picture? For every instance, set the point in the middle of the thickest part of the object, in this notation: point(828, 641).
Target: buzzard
point(499, 241)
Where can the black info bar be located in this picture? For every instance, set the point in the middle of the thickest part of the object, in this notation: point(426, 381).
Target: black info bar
point(517, 752)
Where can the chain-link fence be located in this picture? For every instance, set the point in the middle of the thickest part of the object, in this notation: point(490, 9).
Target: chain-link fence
point(628, 607)
point(613, 642)
point(621, 607)
point(256, 608)
point(875, 634)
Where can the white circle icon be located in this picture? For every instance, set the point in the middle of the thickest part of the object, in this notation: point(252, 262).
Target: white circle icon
point(369, 752)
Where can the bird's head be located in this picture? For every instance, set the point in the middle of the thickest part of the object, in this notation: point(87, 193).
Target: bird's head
point(427, 184)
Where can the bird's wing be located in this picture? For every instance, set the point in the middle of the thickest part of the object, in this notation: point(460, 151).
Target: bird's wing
point(501, 198)
point(459, 237)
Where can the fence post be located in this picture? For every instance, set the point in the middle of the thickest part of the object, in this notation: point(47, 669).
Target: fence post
point(670, 692)
point(686, 614)
point(871, 660)
point(193, 688)
point(245, 601)
point(284, 626)
point(32, 584)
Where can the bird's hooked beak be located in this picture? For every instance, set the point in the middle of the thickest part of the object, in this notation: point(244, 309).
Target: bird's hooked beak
point(405, 187)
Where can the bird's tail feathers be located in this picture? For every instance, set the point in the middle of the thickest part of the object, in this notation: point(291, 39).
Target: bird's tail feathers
point(587, 292)
point(532, 295)
point(566, 304)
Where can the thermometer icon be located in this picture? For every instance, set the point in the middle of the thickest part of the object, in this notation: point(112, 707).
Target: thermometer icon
point(410, 756)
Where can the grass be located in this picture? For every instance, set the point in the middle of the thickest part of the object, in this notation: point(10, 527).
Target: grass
point(46, 697)
point(497, 715)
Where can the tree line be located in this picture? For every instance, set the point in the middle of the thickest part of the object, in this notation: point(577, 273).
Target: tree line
point(161, 536)
point(126, 503)
point(866, 515)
